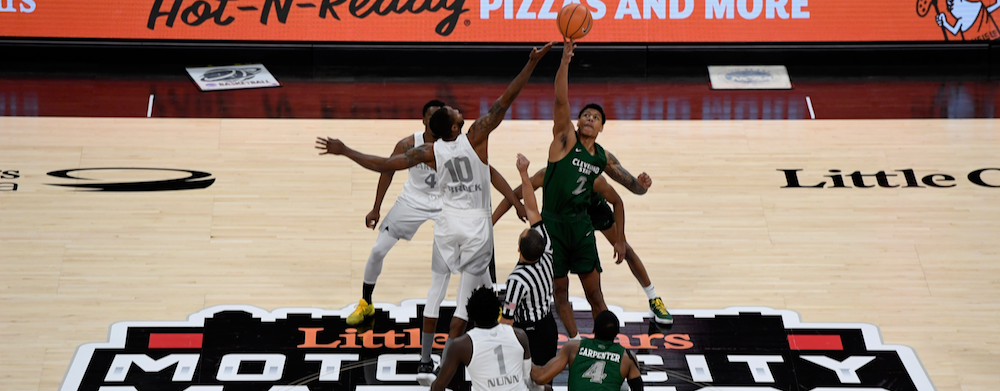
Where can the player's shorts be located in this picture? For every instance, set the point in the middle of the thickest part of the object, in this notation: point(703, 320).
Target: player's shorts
point(464, 239)
point(404, 219)
point(601, 215)
point(574, 248)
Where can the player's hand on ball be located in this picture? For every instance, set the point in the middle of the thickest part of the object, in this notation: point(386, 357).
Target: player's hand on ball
point(372, 218)
point(568, 46)
point(522, 163)
point(645, 181)
point(537, 54)
point(330, 145)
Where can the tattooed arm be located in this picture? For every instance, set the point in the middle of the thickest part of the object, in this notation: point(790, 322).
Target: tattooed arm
point(480, 130)
point(619, 174)
point(421, 154)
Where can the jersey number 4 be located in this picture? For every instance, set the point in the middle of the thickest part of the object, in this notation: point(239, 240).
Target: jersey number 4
point(596, 372)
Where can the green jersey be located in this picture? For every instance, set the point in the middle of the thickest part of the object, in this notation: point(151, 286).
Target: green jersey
point(597, 366)
point(569, 182)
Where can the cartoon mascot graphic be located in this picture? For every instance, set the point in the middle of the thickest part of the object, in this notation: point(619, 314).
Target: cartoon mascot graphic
point(965, 20)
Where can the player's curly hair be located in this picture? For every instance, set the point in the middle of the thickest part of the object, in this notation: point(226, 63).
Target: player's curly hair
point(483, 306)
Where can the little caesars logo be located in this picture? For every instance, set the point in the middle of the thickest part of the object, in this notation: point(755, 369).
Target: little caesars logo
point(301, 349)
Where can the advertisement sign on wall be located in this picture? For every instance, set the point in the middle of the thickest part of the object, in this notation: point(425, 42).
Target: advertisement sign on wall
point(649, 21)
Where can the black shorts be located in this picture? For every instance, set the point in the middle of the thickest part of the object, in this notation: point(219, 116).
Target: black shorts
point(543, 336)
point(601, 215)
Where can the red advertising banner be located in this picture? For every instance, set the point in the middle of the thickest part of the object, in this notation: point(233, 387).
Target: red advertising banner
point(644, 21)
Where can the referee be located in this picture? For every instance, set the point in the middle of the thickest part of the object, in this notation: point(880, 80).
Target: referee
point(527, 305)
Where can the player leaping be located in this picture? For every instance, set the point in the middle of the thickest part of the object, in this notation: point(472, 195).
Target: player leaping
point(463, 235)
point(575, 162)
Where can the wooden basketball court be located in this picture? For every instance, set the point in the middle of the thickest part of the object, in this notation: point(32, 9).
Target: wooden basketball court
point(284, 227)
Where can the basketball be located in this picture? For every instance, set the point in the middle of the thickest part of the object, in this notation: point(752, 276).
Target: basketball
point(574, 21)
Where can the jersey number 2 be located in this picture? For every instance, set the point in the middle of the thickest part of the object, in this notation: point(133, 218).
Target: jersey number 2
point(580, 182)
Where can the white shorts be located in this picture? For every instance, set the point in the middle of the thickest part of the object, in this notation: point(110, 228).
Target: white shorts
point(464, 239)
point(404, 219)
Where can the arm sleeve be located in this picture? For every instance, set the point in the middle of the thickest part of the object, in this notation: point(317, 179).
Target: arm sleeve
point(635, 384)
point(526, 371)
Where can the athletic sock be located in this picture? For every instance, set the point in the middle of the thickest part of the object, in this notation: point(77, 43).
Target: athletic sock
point(650, 292)
point(366, 292)
point(426, 343)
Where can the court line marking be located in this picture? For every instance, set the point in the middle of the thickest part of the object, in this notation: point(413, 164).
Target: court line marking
point(149, 108)
point(809, 103)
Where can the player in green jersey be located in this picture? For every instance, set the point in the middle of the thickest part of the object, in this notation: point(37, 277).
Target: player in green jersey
point(575, 162)
point(603, 219)
point(597, 364)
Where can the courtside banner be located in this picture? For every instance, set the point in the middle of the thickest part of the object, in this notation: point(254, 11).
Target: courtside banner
point(502, 20)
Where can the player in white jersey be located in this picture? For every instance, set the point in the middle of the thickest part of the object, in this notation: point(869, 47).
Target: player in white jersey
point(465, 240)
point(418, 202)
point(496, 356)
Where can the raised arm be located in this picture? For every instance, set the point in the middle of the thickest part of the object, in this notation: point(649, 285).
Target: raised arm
point(545, 374)
point(384, 180)
point(619, 174)
point(501, 185)
point(504, 206)
point(480, 130)
point(563, 132)
point(421, 154)
point(530, 204)
point(602, 187)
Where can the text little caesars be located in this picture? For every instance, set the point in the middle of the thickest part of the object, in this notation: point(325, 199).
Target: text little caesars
point(909, 178)
point(649, 9)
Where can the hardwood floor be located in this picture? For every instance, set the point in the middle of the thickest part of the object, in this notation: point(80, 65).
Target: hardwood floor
point(283, 227)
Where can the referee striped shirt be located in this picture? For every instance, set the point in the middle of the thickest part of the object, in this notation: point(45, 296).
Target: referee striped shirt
point(529, 286)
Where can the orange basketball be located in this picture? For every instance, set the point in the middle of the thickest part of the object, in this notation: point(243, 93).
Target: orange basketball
point(574, 21)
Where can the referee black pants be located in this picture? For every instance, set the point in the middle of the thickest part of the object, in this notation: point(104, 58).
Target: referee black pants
point(543, 338)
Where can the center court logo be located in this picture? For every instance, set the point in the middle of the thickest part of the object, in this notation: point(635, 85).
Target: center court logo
point(193, 180)
point(238, 347)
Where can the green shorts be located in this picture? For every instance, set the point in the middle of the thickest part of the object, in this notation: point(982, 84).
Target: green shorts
point(574, 248)
point(601, 215)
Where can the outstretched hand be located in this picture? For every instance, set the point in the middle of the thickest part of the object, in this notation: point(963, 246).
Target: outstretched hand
point(522, 163)
point(645, 181)
point(330, 146)
point(537, 54)
point(568, 46)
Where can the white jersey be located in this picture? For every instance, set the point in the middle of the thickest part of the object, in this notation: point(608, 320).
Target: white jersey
point(421, 189)
point(463, 178)
point(497, 359)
